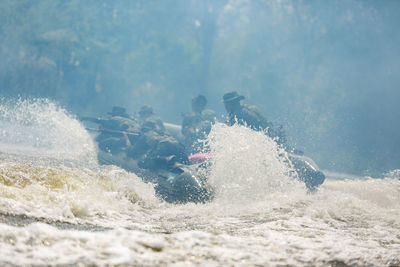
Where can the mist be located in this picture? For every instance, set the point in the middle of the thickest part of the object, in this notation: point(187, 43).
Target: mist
point(327, 71)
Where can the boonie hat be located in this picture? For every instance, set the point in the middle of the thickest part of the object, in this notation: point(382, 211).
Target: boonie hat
point(232, 96)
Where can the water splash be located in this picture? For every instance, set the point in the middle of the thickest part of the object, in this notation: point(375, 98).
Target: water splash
point(394, 174)
point(39, 129)
point(49, 168)
point(248, 166)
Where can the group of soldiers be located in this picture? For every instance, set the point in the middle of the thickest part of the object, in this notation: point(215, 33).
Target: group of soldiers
point(145, 138)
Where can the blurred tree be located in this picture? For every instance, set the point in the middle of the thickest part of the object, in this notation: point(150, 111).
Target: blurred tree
point(313, 66)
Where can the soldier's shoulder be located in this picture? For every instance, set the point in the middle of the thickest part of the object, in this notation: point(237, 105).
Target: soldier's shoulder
point(126, 120)
point(209, 114)
point(189, 115)
point(191, 118)
point(250, 108)
point(154, 119)
point(208, 111)
point(120, 119)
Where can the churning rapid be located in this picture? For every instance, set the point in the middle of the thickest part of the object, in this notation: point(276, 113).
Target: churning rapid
point(59, 206)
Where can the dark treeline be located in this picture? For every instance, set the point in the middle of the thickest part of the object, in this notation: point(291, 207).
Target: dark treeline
point(328, 71)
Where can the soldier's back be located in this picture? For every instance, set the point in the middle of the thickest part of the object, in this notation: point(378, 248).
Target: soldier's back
point(251, 117)
point(209, 115)
point(197, 126)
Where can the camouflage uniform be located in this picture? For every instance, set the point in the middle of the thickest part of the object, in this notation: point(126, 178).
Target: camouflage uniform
point(164, 154)
point(155, 150)
point(117, 132)
point(197, 124)
point(146, 114)
point(251, 117)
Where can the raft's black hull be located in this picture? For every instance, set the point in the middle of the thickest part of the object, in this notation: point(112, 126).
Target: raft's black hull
point(190, 186)
point(187, 186)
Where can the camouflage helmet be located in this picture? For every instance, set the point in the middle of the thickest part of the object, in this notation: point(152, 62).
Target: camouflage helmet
point(146, 110)
point(117, 111)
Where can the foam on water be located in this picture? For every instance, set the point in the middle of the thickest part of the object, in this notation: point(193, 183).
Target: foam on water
point(261, 214)
point(72, 195)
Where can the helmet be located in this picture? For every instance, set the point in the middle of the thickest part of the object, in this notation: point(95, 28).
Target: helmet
point(117, 111)
point(146, 110)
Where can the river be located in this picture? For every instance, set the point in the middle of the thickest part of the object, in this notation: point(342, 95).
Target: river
point(58, 206)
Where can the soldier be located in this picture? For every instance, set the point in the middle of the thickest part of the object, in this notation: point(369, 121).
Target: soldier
point(250, 116)
point(116, 132)
point(197, 124)
point(156, 150)
point(146, 113)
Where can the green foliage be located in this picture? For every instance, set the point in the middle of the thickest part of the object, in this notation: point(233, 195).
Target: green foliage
point(91, 48)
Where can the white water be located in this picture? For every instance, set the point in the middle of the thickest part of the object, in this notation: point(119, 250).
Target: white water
point(260, 215)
